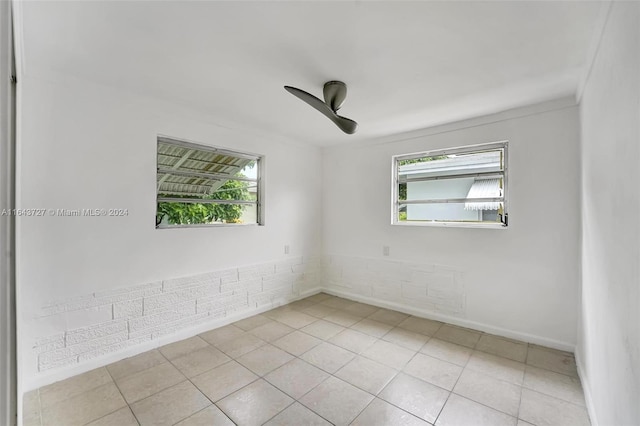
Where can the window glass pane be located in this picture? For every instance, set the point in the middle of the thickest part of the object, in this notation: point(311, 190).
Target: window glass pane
point(175, 213)
point(192, 172)
point(455, 164)
point(466, 185)
point(446, 212)
point(439, 189)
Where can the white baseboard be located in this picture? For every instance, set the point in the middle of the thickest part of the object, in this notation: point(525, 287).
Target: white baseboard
point(61, 374)
point(586, 388)
point(498, 331)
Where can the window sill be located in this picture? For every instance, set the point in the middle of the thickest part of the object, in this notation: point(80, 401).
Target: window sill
point(453, 225)
point(209, 225)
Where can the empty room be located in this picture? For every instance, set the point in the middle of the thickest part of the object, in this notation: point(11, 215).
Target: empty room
point(298, 213)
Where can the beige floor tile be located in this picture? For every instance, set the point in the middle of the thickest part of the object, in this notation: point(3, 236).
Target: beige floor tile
point(434, 371)
point(276, 312)
point(296, 377)
point(149, 381)
point(122, 417)
point(59, 391)
point(371, 327)
point(419, 398)
point(388, 316)
point(497, 367)
point(405, 338)
point(299, 305)
point(223, 380)
point(323, 329)
point(271, 331)
point(360, 309)
point(353, 340)
point(554, 384)
point(295, 319)
point(252, 322)
point(183, 347)
point(240, 345)
point(551, 359)
point(254, 404)
point(31, 420)
point(328, 357)
point(337, 401)
point(505, 348)
point(220, 335)
point(297, 415)
point(446, 351)
point(459, 411)
point(199, 361)
point(458, 335)
point(135, 364)
point(264, 359)
point(337, 302)
point(421, 325)
point(210, 416)
point(170, 406)
point(85, 407)
point(366, 374)
point(544, 410)
point(342, 318)
point(381, 413)
point(297, 343)
point(389, 354)
point(31, 408)
point(319, 310)
point(494, 393)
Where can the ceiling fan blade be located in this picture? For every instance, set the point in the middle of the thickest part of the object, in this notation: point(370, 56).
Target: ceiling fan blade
point(311, 100)
point(345, 124)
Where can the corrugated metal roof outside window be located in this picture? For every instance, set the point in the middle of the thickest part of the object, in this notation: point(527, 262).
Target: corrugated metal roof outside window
point(484, 188)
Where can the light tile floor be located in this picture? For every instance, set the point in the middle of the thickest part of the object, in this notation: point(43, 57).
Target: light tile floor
point(319, 361)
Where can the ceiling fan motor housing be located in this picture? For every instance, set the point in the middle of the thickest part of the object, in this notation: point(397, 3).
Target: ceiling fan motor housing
point(335, 92)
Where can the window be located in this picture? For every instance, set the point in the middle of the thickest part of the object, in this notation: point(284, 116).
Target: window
point(202, 185)
point(460, 187)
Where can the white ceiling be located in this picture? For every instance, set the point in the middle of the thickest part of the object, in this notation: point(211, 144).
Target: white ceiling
point(408, 65)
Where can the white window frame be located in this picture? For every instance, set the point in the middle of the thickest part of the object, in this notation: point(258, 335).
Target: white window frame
point(469, 149)
point(259, 180)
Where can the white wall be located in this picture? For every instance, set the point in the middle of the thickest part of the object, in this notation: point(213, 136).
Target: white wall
point(522, 281)
point(90, 146)
point(608, 352)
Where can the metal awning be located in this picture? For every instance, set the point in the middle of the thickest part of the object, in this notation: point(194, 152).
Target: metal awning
point(188, 171)
point(485, 188)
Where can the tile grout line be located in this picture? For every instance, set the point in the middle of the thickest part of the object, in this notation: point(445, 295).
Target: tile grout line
point(39, 408)
point(454, 385)
point(522, 387)
point(123, 398)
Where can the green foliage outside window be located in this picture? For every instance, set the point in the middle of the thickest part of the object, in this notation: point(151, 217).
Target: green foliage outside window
point(195, 213)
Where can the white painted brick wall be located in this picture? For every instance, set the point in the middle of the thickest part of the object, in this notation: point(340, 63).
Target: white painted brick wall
point(104, 322)
point(89, 316)
point(49, 344)
point(256, 271)
point(74, 337)
point(128, 309)
point(438, 288)
point(250, 286)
